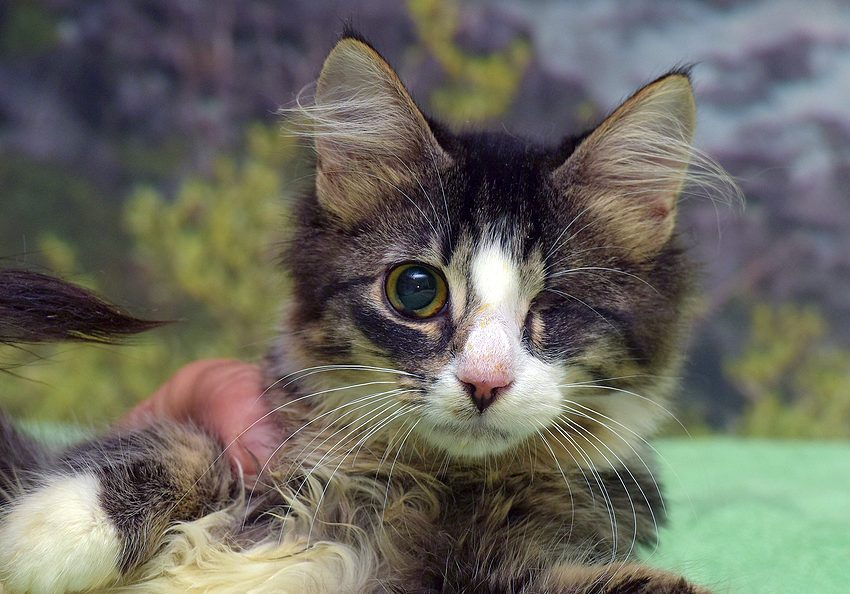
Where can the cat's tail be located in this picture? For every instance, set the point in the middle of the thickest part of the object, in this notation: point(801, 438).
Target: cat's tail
point(35, 307)
point(86, 516)
point(38, 308)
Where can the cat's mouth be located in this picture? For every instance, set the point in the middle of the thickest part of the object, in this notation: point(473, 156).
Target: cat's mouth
point(476, 428)
point(473, 438)
point(452, 420)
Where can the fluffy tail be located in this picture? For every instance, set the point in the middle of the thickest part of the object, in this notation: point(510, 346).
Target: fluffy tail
point(84, 517)
point(36, 307)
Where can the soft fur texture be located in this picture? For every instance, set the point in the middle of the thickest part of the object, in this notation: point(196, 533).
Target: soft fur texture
point(90, 547)
point(498, 444)
point(35, 307)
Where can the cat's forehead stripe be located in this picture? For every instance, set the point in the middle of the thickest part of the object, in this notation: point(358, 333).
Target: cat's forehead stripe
point(495, 278)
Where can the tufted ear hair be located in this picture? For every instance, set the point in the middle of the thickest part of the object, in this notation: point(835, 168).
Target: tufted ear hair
point(630, 170)
point(370, 136)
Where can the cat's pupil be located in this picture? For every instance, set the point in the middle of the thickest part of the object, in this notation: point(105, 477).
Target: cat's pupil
point(416, 288)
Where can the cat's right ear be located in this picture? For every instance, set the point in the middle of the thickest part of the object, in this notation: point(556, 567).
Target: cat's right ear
point(370, 137)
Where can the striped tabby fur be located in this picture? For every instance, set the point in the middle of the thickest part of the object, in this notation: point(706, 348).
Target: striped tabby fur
point(565, 283)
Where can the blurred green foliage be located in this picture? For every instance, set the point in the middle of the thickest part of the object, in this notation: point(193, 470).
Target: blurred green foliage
point(205, 255)
point(33, 193)
point(209, 245)
point(478, 87)
point(797, 382)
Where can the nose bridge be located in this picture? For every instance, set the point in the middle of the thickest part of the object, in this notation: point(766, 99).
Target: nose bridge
point(488, 351)
point(490, 345)
point(487, 360)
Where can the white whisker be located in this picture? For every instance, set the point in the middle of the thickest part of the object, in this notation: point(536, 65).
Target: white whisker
point(587, 305)
point(392, 467)
point(591, 268)
point(369, 399)
point(563, 475)
point(383, 423)
point(570, 404)
point(558, 243)
point(609, 503)
point(622, 464)
point(635, 394)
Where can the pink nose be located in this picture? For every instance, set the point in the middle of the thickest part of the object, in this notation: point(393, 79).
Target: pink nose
point(483, 385)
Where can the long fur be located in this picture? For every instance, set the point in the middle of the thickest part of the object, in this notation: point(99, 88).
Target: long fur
point(364, 492)
point(35, 307)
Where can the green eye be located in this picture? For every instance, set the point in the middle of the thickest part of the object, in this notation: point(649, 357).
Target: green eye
point(416, 290)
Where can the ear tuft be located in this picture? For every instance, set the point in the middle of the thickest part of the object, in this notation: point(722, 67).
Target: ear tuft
point(349, 32)
point(632, 168)
point(370, 136)
point(361, 106)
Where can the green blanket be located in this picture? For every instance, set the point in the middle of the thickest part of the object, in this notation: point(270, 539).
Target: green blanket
point(746, 517)
point(757, 516)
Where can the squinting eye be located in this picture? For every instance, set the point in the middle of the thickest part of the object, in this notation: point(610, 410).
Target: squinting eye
point(416, 290)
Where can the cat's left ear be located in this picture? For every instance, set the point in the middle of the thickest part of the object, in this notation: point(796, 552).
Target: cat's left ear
point(371, 138)
point(628, 173)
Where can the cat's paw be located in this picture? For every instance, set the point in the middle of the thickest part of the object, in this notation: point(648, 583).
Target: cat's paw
point(659, 584)
point(615, 578)
point(651, 581)
point(58, 538)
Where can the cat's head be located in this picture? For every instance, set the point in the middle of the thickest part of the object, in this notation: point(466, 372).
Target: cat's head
point(518, 293)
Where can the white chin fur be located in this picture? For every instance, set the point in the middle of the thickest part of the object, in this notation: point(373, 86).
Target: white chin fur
point(463, 443)
point(58, 539)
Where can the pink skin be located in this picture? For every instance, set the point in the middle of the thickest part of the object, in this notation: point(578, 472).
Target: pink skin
point(487, 360)
point(485, 379)
point(222, 396)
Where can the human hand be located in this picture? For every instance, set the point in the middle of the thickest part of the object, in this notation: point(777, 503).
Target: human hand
point(224, 397)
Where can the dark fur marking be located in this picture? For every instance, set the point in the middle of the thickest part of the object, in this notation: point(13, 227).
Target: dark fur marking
point(20, 458)
point(398, 339)
point(151, 478)
point(339, 286)
point(35, 307)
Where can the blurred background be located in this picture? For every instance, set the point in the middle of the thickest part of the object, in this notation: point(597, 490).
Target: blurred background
point(140, 155)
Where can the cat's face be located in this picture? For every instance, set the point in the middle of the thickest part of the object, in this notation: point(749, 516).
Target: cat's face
point(519, 294)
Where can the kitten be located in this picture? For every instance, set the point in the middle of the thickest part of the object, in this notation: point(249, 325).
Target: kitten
point(481, 337)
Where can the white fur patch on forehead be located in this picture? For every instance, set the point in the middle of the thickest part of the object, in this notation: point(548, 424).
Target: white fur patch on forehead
point(495, 277)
